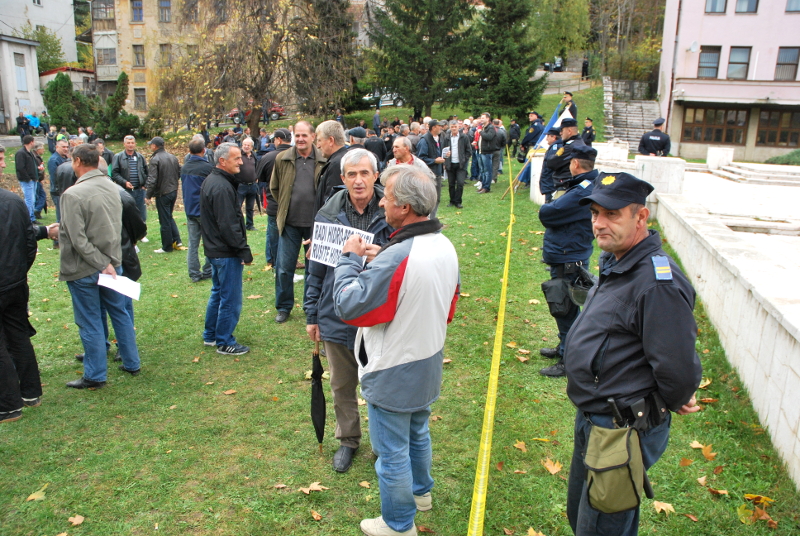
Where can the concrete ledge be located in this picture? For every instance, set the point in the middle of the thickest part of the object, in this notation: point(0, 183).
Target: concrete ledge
point(756, 310)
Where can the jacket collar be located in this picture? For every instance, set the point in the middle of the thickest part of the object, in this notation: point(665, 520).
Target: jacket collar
point(91, 174)
point(644, 248)
point(412, 230)
point(291, 155)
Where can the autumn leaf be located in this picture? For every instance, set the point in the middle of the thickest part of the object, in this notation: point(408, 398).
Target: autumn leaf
point(464, 295)
point(709, 400)
point(512, 344)
point(702, 480)
point(254, 296)
point(314, 486)
point(520, 472)
point(706, 351)
point(686, 462)
point(39, 495)
point(534, 302)
point(757, 499)
point(521, 446)
point(705, 383)
point(696, 445)
point(551, 466)
point(523, 351)
point(508, 532)
point(209, 383)
point(364, 484)
point(718, 469)
point(229, 392)
point(279, 486)
point(173, 406)
point(717, 491)
point(316, 515)
point(663, 507)
point(76, 520)
point(196, 360)
point(692, 517)
point(542, 439)
point(446, 361)
point(174, 295)
point(745, 515)
point(522, 358)
point(532, 532)
point(500, 466)
point(708, 454)
point(421, 528)
point(436, 417)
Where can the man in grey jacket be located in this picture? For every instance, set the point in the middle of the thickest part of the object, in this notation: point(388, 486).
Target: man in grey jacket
point(90, 239)
point(162, 183)
point(129, 170)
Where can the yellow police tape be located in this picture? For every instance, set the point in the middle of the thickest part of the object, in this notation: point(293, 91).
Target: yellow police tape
point(478, 511)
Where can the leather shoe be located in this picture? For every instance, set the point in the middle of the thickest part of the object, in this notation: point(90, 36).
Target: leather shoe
point(131, 372)
point(282, 317)
point(554, 371)
point(549, 352)
point(459, 205)
point(83, 383)
point(343, 459)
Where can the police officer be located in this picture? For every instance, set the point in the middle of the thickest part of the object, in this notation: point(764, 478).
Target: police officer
point(534, 131)
point(588, 134)
point(560, 162)
point(569, 104)
point(634, 342)
point(514, 133)
point(567, 247)
point(546, 184)
point(656, 142)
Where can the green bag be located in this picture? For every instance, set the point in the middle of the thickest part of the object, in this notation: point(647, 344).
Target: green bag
point(615, 476)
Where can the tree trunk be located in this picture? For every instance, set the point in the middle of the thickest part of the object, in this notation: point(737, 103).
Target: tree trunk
point(254, 120)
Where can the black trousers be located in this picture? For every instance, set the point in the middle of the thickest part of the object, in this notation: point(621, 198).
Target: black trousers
point(248, 193)
point(165, 204)
point(19, 371)
point(455, 183)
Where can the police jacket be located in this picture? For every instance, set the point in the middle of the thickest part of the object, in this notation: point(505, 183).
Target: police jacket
point(533, 134)
point(588, 135)
point(193, 173)
point(560, 162)
point(133, 230)
point(120, 172)
point(513, 132)
point(221, 220)
point(318, 299)
point(654, 142)
point(163, 175)
point(636, 334)
point(568, 226)
point(546, 184)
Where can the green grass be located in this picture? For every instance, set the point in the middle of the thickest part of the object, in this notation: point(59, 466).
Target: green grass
point(168, 448)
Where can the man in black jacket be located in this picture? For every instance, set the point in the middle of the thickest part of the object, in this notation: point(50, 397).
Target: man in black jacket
point(162, 183)
point(282, 140)
point(27, 173)
point(560, 162)
point(329, 140)
point(429, 150)
point(376, 146)
point(129, 170)
point(225, 243)
point(458, 149)
point(105, 153)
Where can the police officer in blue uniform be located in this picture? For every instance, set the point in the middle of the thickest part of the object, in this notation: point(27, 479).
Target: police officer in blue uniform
point(567, 247)
point(546, 184)
point(656, 142)
point(588, 135)
point(533, 133)
point(560, 163)
point(634, 343)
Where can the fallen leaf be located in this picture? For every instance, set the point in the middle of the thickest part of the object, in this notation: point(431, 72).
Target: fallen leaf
point(500, 465)
point(717, 491)
point(693, 518)
point(520, 472)
point(174, 295)
point(274, 398)
point(76, 520)
point(255, 297)
point(696, 445)
point(542, 439)
point(771, 523)
point(316, 515)
point(706, 351)
point(446, 361)
point(39, 495)
point(534, 302)
point(551, 466)
point(421, 528)
point(705, 383)
point(718, 469)
point(62, 534)
point(279, 486)
point(757, 499)
point(523, 351)
point(364, 484)
point(464, 295)
point(702, 480)
point(209, 383)
point(507, 531)
point(229, 392)
point(173, 406)
point(521, 446)
point(196, 360)
point(708, 454)
point(686, 462)
point(745, 514)
point(436, 417)
point(709, 400)
point(512, 344)
point(532, 532)
point(522, 358)
point(362, 402)
point(314, 486)
point(663, 507)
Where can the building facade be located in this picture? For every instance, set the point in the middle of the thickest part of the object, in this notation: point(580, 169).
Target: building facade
point(729, 76)
point(55, 15)
point(19, 81)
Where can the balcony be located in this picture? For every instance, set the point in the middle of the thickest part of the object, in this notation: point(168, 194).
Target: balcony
point(106, 73)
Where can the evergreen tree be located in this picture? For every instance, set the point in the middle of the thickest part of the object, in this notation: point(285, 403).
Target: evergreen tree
point(58, 98)
point(420, 48)
point(114, 122)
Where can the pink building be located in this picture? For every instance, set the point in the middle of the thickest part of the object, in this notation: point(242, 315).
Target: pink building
point(729, 76)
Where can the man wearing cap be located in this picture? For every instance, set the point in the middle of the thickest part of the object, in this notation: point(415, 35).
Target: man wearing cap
point(357, 135)
point(429, 150)
point(534, 131)
point(656, 142)
point(633, 343)
point(546, 184)
point(162, 183)
point(560, 162)
point(588, 134)
point(569, 104)
point(567, 247)
point(282, 139)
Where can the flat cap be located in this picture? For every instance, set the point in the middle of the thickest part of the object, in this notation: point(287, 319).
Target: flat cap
point(158, 140)
point(283, 133)
point(554, 132)
point(358, 132)
point(614, 191)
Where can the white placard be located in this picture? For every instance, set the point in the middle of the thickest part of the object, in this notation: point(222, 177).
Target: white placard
point(328, 240)
point(121, 284)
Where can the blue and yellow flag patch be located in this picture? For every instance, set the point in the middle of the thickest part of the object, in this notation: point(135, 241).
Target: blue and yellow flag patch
point(662, 268)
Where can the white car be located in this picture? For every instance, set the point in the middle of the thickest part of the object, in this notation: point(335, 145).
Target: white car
point(386, 99)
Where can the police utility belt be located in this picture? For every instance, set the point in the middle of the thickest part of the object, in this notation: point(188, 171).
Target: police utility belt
point(562, 292)
point(615, 472)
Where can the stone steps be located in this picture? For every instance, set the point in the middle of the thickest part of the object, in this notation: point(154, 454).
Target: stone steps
point(751, 180)
point(632, 119)
point(742, 169)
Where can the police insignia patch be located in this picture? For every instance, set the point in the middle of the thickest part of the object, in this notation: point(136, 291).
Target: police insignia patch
point(560, 152)
point(530, 131)
point(608, 180)
point(662, 268)
point(585, 184)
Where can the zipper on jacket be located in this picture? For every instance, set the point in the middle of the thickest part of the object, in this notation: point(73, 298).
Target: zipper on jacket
point(597, 361)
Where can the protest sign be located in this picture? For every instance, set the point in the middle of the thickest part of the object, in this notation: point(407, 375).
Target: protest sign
point(329, 238)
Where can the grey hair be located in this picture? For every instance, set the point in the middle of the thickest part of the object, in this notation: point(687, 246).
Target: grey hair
point(224, 150)
point(356, 141)
point(404, 130)
point(37, 145)
point(453, 122)
point(248, 138)
point(411, 186)
point(331, 129)
point(355, 156)
point(2, 149)
point(414, 126)
point(129, 136)
point(405, 141)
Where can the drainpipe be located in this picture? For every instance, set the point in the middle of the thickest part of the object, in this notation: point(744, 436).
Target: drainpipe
point(674, 64)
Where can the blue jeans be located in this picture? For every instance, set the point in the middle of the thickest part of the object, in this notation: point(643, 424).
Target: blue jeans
point(585, 520)
point(225, 302)
point(138, 196)
point(565, 322)
point(271, 250)
point(288, 249)
point(192, 256)
point(169, 230)
point(402, 442)
point(88, 301)
point(41, 198)
point(486, 170)
point(56, 203)
point(29, 191)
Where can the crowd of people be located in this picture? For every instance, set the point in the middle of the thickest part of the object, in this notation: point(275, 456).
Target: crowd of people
point(403, 286)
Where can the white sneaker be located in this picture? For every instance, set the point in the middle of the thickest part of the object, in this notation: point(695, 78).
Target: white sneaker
point(159, 250)
point(424, 502)
point(476, 185)
point(145, 240)
point(378, 527)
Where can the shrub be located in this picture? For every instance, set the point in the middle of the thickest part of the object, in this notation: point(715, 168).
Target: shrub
point(788, 159)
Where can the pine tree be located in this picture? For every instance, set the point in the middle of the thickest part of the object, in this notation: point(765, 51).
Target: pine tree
point(58, 98)
point(420, 48)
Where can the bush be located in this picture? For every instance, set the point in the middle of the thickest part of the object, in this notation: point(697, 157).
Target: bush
point(788, 159)
point(153, 123)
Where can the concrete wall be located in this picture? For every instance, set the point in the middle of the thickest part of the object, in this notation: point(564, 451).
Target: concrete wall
point(755, 311)
point(55, 15)
point(15, 101)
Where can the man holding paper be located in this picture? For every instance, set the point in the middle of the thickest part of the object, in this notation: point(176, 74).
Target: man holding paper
point(90, 241)
point(356, 206)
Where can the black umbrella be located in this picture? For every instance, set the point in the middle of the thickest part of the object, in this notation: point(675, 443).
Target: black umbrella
point(317, 396)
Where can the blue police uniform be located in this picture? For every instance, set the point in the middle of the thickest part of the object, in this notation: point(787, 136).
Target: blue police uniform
point(546, 184)
point(532, 135)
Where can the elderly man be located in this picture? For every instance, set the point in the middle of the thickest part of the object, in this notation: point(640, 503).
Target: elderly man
point(330, 141)
point(162, 183)
point(27, 173)
point(402, 302)
point(208, 154)
point(413, 136)
point(401, 147)
point(56, 159)
point(225, 243)
point(90, 239)
point(634, 344)
point(129, 170)
point(193, 172)
point(294, 186)
point(356, 205)
point(458, 151)
point(282, 138)
point(429, 150)
point(248, 189)
point(357, 135)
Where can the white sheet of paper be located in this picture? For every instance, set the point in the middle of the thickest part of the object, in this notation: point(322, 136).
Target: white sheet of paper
point(121, 284)
point(327, 241)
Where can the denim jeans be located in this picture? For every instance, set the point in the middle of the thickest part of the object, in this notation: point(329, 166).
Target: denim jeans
point(225, 302)
point(585, 520)
point(402, 442)
point(475, 168)
point(565, 322)
point(248, 193)
point(29, 191)
point(56, 203)
point(271, 250)
point(41, 198)
point(169, 230)
point(138, 196)
point(88, 301)
point(288, 249)
point(192, 256)
point(486, 171)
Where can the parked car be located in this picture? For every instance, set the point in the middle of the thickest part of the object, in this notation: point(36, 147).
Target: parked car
point(384, 97)
point(273, 110)
point(556, 66)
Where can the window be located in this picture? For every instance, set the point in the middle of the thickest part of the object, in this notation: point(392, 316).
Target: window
point(140, 99)
point(746, 6)
point(37, 3)
point(709, 62)
point(21, 73)
point(792, 5)
point(778, 129)
point(138, 56)
point(106, 56)
point(165, 52)
point(786, 69)
point(712, 125)
point(716, 6)
point(165, 10)
point(137, 13)
point(738, 63)
point(103, 9)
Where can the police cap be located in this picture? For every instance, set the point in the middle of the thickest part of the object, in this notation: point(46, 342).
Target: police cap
point(554, 132)
point(568, 93)
point(569, 122)
point(590, 119)
point(660, 121)
point(583, 152)
point(614, 191)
